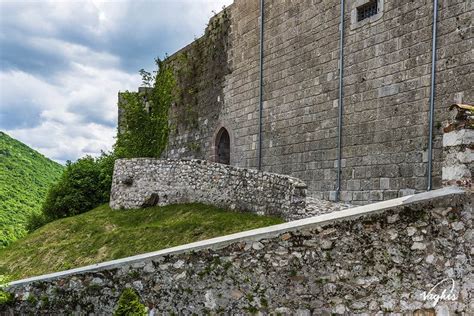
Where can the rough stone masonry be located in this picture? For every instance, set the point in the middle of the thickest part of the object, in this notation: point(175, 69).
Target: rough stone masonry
point(386, 89)
point(145, 182)
point(458, 145)
point(374, 259)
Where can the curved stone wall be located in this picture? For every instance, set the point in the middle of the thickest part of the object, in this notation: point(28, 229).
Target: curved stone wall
point(145, 182)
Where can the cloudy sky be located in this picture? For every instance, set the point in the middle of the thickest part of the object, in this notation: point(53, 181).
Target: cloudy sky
point(63, 63)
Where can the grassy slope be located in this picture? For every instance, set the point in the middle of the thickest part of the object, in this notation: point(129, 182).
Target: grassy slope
point(103, 234)
point(25, 176)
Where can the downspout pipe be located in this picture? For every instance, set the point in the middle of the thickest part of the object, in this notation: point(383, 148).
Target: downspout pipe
point(432, 94)
point(260, 111)
point(341, 104)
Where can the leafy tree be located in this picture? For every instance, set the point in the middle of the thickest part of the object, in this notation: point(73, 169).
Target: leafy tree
point(147, 77)
point(25, 176)
point(84, 185)
point(105, 162)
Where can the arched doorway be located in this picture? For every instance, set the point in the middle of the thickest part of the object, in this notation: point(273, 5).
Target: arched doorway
point(223, 146)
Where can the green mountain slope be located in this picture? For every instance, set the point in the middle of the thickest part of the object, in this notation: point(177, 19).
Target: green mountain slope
point(25, 176)
point(104, 234)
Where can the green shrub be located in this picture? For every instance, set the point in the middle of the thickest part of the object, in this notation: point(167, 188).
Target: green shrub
point(35, 221)
point(5, 297)
point(145, 131)
point(84, 185)
point(129, 304)
point(138, 139)
point(105, 164)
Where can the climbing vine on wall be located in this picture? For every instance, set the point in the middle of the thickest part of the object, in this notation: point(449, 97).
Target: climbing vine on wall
point(191, 80)
point(145, 127)
point(200, 69)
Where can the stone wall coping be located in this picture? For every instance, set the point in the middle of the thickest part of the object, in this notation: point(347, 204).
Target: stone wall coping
point(258, 234)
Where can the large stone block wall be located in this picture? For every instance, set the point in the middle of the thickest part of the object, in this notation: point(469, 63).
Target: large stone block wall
point(147, 182)
point(386, 88)
point(200, 69)
point(372, 259)
point(386, 92)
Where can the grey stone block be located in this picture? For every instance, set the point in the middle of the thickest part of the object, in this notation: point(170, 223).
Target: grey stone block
point(388, 90)
point(405, 192)
point(390, 194)
point(346, 196)
point(376, 195)
point(353, 185)
point(384, 183)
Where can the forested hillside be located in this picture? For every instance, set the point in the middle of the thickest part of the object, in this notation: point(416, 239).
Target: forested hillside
point(25, 176)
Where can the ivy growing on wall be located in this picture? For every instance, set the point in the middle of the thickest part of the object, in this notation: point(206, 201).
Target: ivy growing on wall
point(145, 116)
point(190, 80)
point(200, 69)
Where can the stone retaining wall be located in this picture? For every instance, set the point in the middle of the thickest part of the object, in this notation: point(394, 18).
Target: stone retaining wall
point(146, 182)
point(378, 258)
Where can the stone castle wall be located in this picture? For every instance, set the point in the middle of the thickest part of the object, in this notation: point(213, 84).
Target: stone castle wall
point(373, 259)
point(199, 70)
point(148, 182)
point(386, 88)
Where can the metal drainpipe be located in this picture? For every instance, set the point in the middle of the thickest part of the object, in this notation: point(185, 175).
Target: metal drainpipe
point(339, 127)
point(432, 94)
point(260, 112)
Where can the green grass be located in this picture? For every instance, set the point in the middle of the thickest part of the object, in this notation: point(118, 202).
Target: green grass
point(103, 234)
point(25, 176)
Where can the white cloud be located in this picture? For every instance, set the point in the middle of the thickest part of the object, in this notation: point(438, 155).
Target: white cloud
point(65, 62)
point(73, 52)
point(61, 142)
point(77, 113)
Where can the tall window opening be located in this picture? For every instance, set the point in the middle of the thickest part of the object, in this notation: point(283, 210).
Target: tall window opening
point(223, 147)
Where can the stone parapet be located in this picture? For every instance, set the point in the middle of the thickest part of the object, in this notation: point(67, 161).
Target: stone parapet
point(143, 182)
